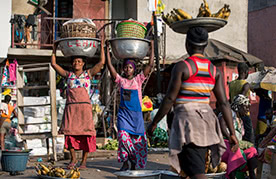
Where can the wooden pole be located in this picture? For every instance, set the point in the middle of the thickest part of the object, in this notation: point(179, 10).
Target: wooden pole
point(156, 53)
point(54, 20)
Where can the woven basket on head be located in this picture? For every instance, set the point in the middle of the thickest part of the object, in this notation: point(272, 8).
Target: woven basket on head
point(130, 28)
point(78, 29)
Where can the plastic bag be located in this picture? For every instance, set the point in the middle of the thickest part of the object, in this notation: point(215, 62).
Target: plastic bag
point(147, 104)
point(86, 20)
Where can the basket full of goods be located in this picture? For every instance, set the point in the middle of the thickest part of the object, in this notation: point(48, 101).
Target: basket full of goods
point(180, 21)
point(130, 41)
point(130, 28)
point(51, 172)
point(78, 38)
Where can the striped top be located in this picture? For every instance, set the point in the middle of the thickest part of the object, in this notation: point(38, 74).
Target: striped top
point(274, 139)
point(199, 85)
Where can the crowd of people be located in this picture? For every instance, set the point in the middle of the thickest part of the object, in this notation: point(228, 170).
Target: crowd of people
point(195, 128)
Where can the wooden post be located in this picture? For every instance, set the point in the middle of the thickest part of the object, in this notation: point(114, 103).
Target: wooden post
point(114, 111)
point(54, 19)
point(19, 96)
point(52, 80)
point(12, 37)
point(156, 53)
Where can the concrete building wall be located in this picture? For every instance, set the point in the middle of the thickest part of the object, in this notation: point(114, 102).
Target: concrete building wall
point(93, 9)
point(124, 9)
point(234, 33)
point(5, 35)
point(262, 34)
point(21, 7)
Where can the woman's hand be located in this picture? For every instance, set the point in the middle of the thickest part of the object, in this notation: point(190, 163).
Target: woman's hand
point(261, 156)
point(151, 129)
point(55, 47)
point(234, 143)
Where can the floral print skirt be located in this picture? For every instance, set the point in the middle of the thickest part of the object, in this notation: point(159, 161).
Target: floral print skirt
point(132, 147)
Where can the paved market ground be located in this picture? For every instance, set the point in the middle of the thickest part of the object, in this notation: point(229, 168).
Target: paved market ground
point(101, 166)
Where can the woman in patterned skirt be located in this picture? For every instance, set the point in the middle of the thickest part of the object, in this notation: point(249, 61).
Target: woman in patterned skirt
point(77, 124)
point(131, 131)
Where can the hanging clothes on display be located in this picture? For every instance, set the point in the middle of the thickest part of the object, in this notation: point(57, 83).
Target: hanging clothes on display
point(12, 71)
point(6, 80)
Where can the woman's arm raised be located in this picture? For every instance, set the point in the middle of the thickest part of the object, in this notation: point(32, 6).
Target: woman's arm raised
point(58, 68)
point(97, 68)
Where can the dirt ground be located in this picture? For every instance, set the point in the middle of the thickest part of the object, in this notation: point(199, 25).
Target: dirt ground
point(101, 165)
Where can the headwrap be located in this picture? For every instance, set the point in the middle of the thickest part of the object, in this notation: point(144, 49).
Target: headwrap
point(240, 101)
point(131, 62)
point(197, 36)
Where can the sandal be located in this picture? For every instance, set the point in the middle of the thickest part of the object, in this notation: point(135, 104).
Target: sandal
point(71, 166)
point(82, 167)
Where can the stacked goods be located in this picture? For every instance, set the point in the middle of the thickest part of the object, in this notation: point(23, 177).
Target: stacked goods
point(79, 28)
point(56, 172)
point(131, 28)
point(204, 11)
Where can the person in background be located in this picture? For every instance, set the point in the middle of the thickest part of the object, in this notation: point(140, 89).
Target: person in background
point(268, 138)
point(195, 128)
point(8, 113)
point(265, 125)
point(241, 86)
point(245, 158)
point(131, 132)
point(77, 124)
point(264, 105)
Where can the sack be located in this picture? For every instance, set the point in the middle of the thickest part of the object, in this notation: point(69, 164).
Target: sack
point(147, 104)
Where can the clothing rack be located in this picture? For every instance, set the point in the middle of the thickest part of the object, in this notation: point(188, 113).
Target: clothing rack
point(51, 85)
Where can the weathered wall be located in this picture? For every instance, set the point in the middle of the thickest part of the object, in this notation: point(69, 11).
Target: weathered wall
point(93, 9)
point(5, 35)
point(234, 33)
point(262, 34)
point(22, 7)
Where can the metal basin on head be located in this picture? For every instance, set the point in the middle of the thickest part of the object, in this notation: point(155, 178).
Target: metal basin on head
point(129, 48)
point(78, 46)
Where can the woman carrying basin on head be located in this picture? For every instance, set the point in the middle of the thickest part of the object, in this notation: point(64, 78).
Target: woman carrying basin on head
point(77, 124)
point(131, 132)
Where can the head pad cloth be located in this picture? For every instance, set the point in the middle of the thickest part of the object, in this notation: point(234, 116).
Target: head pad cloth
point(240, 101)
point(197, 36)
point(131, 62)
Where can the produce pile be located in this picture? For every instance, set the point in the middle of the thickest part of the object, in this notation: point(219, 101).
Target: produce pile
point(56, 171)
point(204, 11)
point(111, 145)
point(208, 165)
point(160, 138)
